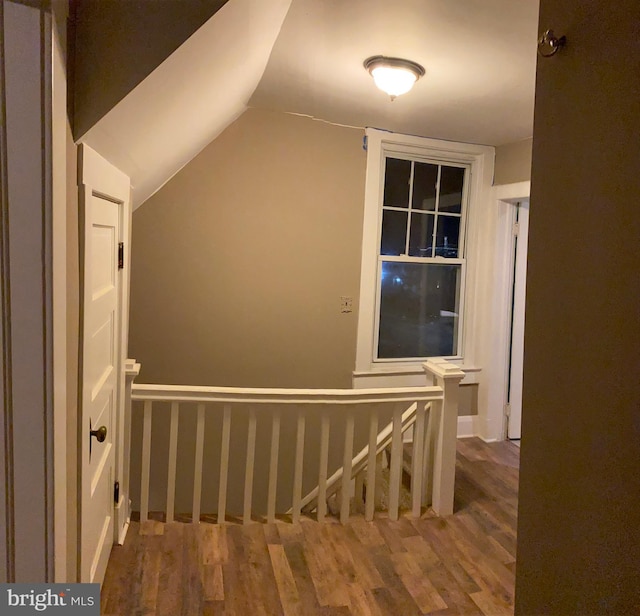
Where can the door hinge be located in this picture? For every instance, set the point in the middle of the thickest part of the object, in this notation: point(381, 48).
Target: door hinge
point(516, 228)
point(116, 492)
point(121, 255)
point(507, 410)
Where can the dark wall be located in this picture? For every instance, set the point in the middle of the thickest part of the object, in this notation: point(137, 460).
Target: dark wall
point(579, 515)
point(117, 43)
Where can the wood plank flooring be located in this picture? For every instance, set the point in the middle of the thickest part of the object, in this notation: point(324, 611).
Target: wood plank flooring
point(462, 564)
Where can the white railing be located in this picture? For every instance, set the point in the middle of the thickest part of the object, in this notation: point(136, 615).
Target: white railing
point(326, 416)
point(365, 461)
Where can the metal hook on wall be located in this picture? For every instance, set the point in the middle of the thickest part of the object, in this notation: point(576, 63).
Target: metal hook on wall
point(548, 44)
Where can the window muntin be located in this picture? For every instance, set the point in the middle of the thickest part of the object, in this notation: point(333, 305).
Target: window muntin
point(421, 264)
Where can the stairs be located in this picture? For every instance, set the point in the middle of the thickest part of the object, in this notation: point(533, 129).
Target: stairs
point(359, 466)
point(382, 486)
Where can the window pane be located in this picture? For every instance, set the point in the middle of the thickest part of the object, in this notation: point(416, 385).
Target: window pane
point(418, 310)
point(447, 236)
point(425, 177)
point(451, 182)
point(396, 182)
point(394, 233)
point(421, 235)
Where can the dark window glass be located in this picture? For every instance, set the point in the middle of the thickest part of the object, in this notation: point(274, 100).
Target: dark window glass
point(418, 310)
point(396, 182)
point(421, 235)
point(394, 232)
point(451, 182)
point(425, 177)
point(447, 236)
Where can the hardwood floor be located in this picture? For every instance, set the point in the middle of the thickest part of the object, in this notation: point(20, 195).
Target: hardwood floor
point(462, 564)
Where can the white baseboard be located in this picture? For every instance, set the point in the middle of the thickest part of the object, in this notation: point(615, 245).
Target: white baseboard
point(122, 512)
point(123, 533)
point(468, 426)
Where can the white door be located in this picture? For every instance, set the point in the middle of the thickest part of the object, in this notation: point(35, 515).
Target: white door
point(102, 358)
point(514, 385)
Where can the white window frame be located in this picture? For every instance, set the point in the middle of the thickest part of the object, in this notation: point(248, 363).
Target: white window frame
point(479, 160)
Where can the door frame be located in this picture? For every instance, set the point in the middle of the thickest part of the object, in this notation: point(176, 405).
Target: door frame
point(505, 196)
point(32, 331)
point(517, 314)
point(97, 176)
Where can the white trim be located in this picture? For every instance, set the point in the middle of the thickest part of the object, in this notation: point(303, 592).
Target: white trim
point(492, 400)
point(516, 360)
point(266, 396)
point(97, 171)
point(512, 192)
point(467, 426)
point(98, 176)
point(480, 159)
point(405, 376)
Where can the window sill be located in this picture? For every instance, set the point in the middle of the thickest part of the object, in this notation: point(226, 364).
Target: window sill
point(407, 375)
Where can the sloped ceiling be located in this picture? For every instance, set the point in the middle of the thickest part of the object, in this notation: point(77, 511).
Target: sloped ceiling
point(305, 57)
point(191, 97)
point(117, 43)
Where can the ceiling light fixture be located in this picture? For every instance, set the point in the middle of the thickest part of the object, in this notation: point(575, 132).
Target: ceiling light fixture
point(395, 76)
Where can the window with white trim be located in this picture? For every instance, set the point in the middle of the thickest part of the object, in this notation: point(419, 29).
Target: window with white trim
point(421, 250)
point(421, 258)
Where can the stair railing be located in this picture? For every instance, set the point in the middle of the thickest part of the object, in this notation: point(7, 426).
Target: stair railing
point(365, 460)
point(433, 448)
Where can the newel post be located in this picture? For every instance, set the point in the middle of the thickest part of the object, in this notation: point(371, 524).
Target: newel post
point(123, 507)
point(447, 376)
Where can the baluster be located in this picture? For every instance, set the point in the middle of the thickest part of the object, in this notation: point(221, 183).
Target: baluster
point(359, 489)
point(197, 466)
point(346, 468)
point(248, 471)
point(371, 465)
point(146, 462)
point(417, 462)
point(273, 466)
point(173, 454)
point(224, 463)
point(427, 454)
point(435, 421)
point(395, 470)
point(297, 472)
point(322, 473)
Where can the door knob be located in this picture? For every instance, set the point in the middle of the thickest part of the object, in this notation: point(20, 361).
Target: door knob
point(100, 433)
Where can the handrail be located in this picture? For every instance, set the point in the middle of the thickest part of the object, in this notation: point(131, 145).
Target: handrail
point(431, 410)
point(193, 393)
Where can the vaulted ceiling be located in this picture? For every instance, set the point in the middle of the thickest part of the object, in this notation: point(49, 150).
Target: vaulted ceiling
point(305, 57)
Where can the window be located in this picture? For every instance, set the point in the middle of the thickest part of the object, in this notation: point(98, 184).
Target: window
point(420, 250)
point(420, 264)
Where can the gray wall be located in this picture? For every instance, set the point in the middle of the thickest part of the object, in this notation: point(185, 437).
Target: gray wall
point(579, 513)
point(239, 262)
point(513, 162)
point(238, 266)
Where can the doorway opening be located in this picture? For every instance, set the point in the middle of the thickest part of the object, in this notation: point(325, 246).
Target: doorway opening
point(513, 404)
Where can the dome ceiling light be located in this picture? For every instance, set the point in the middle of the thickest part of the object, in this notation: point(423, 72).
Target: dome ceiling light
point(395, 76)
